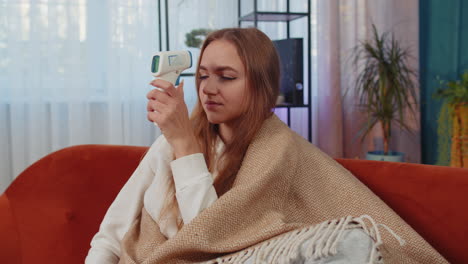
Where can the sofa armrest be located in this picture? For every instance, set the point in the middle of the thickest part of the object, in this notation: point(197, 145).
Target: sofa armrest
point(10, 249)
point(53, 208)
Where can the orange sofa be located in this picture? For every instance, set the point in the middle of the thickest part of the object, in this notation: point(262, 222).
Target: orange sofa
point(52, 210)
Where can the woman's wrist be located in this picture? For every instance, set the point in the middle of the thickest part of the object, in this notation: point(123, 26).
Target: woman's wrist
point(185, 147)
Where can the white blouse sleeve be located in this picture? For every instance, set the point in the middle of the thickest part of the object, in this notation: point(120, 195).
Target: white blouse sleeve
point(105, 245)
point(194, 185)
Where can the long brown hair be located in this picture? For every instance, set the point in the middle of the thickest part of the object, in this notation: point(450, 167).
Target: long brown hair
point(261, 63)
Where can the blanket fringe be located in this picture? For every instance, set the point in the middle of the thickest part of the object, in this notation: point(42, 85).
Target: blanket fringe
point(318, 241)
point(374, 232)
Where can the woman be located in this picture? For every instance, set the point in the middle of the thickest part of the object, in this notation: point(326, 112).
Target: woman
point(237, 81)
point(234, 176)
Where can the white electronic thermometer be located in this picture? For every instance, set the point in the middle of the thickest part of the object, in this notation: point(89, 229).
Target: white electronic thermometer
point(168, 65)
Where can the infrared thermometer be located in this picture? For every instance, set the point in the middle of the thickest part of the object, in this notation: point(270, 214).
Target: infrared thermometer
point(168, 65)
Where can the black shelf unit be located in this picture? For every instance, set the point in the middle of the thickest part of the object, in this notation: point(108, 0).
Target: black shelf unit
point(272, 16)
point(285, 17)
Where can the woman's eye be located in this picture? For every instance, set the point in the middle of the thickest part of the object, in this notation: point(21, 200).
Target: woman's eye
point(228, 78)
point(203, 77)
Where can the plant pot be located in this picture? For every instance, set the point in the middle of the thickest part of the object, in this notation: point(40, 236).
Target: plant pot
point(391, 156)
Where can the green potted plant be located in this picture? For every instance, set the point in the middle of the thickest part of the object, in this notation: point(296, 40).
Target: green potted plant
point(195, 38)
point(386, 88)
point(453, 122)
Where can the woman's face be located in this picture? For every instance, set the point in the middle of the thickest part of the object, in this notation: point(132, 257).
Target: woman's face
point(223, 82)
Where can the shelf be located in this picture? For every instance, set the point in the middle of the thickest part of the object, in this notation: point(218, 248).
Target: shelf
point(272, 16)
point(285, 17)
point(291, 106)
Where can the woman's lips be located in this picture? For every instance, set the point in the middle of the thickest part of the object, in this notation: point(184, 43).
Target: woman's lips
point(211, 105)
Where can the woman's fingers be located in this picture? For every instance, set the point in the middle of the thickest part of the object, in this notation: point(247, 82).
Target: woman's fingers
point(155, 108)
point(155, 94)
point(161, 117)
point(165, 85)
point(151, 106)
point(151, 117)
point(158, 106)
point(180, 89)
point(162, 107)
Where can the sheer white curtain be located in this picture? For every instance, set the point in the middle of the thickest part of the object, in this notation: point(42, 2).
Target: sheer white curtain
point(77, 71)
point(337, 27)
point(73, 72)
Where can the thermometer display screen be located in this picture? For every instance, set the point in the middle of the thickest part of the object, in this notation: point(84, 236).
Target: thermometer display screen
point(155, 64)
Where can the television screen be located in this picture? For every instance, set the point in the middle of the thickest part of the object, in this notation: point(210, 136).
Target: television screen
point(292, 80)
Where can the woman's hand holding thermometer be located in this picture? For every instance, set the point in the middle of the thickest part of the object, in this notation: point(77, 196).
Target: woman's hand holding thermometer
point(166, 106)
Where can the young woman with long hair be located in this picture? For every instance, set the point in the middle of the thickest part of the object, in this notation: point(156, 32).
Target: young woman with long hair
point(196, 159)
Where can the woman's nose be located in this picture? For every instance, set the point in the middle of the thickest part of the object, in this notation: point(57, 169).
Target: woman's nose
point(210, 88)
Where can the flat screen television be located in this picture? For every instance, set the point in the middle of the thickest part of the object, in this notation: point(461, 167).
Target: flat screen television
point(292, 77)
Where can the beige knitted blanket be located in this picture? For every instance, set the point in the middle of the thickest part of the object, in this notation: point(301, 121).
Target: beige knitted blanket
point(285, 183)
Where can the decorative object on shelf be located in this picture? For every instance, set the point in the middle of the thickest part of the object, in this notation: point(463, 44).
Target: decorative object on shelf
point(386, 88)
point(291, 56)
point(453, 123)
point(195, 38)
point(301, 97)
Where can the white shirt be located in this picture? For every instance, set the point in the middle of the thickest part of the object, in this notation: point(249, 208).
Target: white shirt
point(148, 187)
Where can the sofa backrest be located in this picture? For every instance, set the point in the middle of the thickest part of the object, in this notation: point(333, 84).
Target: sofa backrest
point(53, 209)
